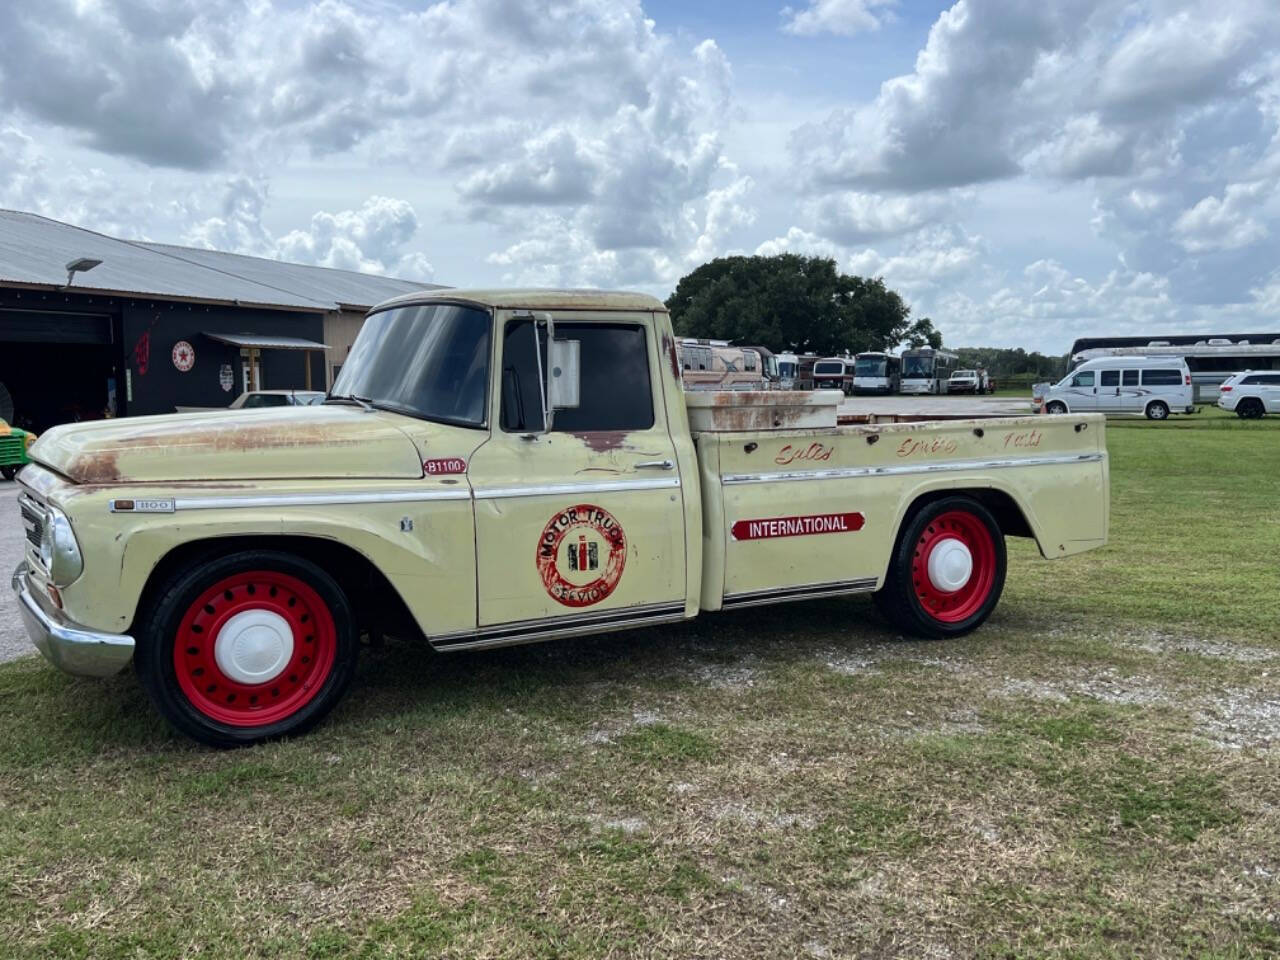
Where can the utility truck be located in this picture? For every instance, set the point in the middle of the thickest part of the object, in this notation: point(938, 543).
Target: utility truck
point(501, 467)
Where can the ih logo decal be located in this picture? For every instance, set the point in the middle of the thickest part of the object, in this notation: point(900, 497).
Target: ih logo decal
point(581, 554)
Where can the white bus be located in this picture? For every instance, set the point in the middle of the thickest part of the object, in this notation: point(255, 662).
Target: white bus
point(926, 370)
point(875, 372)
point(1211, 360)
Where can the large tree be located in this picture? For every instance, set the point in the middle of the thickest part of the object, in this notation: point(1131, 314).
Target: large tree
point(790, 302)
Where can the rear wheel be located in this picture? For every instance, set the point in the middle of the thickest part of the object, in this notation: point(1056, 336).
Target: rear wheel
point(1250, 409)
point(248, 647)
point(1055, 406)
point(947, 571)
point(1157, 410)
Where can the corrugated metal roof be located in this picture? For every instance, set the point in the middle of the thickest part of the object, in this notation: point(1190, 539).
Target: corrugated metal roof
point(344, 288)
point(35, 250)
point(273, 343)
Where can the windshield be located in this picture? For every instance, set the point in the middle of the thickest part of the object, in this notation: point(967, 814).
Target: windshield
point(869, 366)
point(786, 368)
point(965, 375)
point(917, 366)
point(829, 367)
point(429, 361)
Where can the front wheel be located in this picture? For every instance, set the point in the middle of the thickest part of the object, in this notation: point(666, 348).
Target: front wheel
point(247, 647)
point(1158, 410)
point(1056, 407)
point(8, 472)
point(947, 571)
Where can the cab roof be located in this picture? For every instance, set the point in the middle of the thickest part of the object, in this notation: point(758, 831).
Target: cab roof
point(533, 299)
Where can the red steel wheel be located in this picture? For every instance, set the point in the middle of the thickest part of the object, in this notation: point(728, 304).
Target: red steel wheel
point(954, 564)
point(254, 648)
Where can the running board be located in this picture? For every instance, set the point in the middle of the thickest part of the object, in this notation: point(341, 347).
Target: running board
point(533, 631)
point(812, 591)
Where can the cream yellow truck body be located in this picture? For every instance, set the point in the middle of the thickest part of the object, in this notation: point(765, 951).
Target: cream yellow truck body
point(487, 534)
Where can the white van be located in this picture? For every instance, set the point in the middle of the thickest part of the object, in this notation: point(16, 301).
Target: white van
point(1153, 386)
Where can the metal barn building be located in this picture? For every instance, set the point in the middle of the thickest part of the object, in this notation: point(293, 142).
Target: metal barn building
point(142, 328)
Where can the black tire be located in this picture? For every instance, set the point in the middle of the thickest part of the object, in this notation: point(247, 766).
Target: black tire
point(903, 599)
point(1157, 410)
point(158, 630)
point(8, 472)
point(1250, 409)
point(1055, 407)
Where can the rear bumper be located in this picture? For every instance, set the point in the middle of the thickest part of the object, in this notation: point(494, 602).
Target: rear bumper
point(67, 645)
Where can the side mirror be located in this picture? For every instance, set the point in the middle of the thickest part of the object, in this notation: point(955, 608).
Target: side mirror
point(558, 388)
point(564, 374)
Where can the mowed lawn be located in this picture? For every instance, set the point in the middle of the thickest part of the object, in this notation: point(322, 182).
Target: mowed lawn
point(1095, 773)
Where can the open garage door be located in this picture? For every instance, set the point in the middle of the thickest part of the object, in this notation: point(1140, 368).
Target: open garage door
point(57, 367)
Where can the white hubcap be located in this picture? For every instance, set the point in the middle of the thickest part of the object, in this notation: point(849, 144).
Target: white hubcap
point(950, 565)
point(254, 646)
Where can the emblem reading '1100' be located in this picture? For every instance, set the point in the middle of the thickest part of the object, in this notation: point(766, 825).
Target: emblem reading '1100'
point(581, 554)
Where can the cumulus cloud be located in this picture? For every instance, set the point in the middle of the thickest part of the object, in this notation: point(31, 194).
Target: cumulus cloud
point(1225, 223)
point(371, 239)
point(1002, 85)
point(840, 17)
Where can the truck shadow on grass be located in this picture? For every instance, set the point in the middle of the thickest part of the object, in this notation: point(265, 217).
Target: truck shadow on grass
point(406, 680)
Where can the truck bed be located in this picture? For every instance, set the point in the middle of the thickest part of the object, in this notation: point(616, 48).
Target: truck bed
point(794, 513)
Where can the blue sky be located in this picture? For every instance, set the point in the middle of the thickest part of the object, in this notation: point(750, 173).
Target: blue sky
point(1023, 173)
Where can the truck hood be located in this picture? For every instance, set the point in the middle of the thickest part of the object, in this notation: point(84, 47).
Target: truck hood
point(274, 444)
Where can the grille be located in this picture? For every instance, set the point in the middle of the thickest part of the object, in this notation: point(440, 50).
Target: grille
point(11, 450)
point(32, 520)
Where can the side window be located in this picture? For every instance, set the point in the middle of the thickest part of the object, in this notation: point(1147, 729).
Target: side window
point(1110, 378)
point(748, 360)
point(1083, 379)
point(1131, 378)
point(615, 392)
point(1271, 380)
point(1161, 378)
point(1250, 381)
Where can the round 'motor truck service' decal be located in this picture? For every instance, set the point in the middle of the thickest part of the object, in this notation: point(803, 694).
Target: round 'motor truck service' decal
point(581, 554)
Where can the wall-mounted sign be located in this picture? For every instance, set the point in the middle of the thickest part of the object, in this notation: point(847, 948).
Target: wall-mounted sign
point(184, 356)
point(226, 377)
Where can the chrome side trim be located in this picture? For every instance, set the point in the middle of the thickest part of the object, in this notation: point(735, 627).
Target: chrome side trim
point(602, 486)
point(812, 591)
point(955, 466)
point(317, 499)
point(532, 631)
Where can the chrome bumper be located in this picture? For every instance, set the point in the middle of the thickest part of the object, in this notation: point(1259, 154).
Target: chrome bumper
point(67, 645)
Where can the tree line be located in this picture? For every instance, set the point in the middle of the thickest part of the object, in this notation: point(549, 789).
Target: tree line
point(806, 305)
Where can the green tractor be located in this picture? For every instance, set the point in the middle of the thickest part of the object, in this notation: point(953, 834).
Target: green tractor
point(14, 443)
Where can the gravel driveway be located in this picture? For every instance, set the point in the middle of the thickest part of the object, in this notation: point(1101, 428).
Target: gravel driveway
point(13, 637)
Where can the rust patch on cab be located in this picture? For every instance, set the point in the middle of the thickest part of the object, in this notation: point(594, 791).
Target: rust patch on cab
point(603, 441)
point(673, 355)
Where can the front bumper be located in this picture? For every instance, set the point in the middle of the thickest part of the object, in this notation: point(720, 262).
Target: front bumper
point(64, 643)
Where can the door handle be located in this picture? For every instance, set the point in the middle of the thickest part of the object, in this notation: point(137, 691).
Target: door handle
point(656, 465)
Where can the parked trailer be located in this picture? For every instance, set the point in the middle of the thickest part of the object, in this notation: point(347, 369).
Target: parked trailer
point(719, 365)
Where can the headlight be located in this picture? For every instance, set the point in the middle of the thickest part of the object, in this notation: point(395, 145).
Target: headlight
point(59, 551)
point(30, 439)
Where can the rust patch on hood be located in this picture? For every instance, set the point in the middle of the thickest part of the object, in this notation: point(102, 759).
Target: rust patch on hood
point(97, 467)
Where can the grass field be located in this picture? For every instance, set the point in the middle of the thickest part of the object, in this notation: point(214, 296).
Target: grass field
point(1094, 774)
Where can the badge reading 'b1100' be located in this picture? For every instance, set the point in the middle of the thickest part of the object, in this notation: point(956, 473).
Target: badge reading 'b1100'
point(581, 554)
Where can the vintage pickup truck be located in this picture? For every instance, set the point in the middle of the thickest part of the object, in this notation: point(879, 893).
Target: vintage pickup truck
point(503, 467)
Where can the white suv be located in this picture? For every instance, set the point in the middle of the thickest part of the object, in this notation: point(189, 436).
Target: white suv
point(1250, 394)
